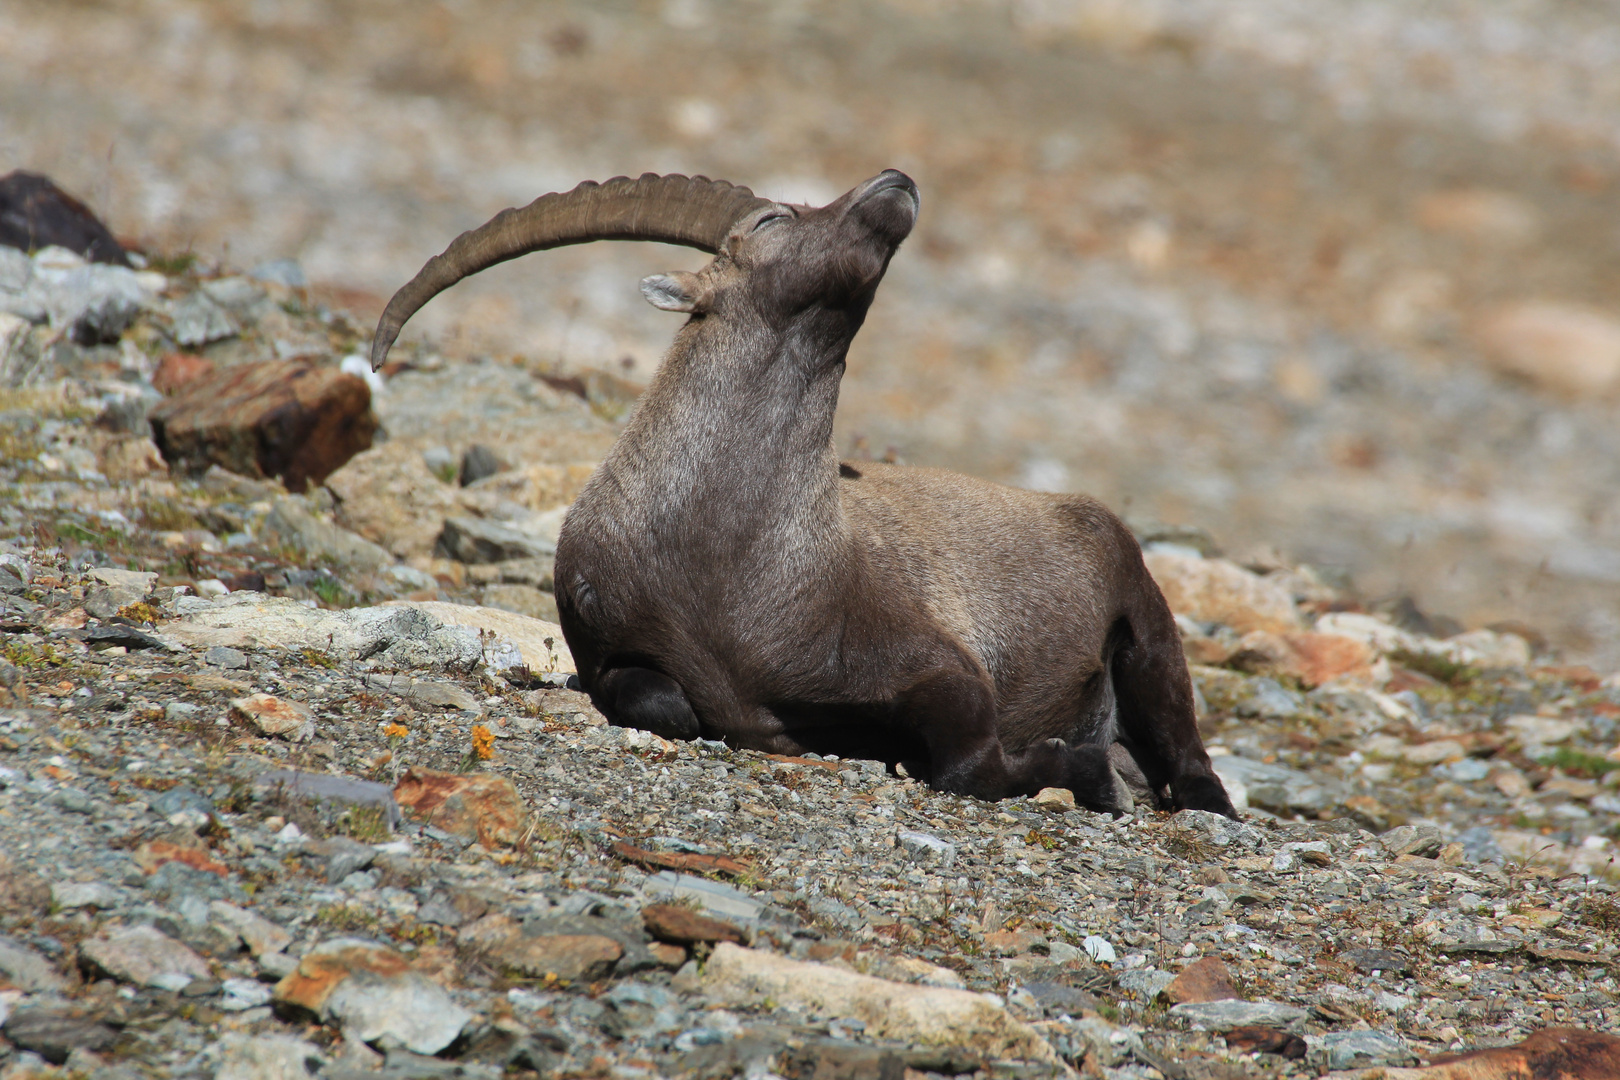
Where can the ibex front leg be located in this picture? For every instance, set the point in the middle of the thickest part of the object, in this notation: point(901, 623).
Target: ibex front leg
point(955, 714)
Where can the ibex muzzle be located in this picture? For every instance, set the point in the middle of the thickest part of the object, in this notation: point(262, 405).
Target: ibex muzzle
point(723, 575)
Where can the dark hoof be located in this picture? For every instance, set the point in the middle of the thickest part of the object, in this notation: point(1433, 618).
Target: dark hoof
point(1204, 793)
point(1096, 784)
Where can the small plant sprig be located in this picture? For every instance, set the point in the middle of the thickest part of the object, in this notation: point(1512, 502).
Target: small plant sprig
point(483, 746)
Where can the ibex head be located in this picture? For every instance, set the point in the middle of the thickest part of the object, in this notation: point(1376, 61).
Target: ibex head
point(772, 260)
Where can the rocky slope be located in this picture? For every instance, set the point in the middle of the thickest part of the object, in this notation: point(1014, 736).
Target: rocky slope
point(293, 784)
point(1337, 279)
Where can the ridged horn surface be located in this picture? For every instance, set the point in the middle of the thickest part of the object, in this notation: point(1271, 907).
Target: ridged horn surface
point(693, 211)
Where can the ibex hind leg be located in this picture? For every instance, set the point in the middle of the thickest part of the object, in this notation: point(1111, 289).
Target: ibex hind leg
point(1156, 718)
point(955, 714)
point(638, 697)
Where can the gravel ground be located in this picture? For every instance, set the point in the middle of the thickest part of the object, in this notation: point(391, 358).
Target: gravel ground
point(1231, 265)
point(1424, 863)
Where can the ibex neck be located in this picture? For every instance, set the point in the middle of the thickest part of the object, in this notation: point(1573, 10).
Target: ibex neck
point(735, 433)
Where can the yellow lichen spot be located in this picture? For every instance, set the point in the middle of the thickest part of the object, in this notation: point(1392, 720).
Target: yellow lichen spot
point(396, 731)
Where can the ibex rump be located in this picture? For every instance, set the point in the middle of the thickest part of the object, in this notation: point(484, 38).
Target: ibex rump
point(723, 575)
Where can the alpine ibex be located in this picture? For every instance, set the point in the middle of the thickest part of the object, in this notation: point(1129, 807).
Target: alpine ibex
point(723, 575)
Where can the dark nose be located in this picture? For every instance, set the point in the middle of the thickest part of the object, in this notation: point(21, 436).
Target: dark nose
point(889, 204)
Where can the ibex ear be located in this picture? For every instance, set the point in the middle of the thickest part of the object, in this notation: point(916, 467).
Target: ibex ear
point(678, 291)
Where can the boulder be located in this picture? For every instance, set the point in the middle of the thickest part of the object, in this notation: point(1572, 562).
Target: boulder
point(902, 1012)
point(283, 418)
point(1311, 658)
point(539, 642)
point(144, 956)
point(1565, 348)
point(1216, 590)
point(372, 992)
point(1203, 980)
point(477, 540)
point(389, 496)
point(1551, 1052)
point(35, 214)
point(291, 523)
point(396, 636)
point(481, 807)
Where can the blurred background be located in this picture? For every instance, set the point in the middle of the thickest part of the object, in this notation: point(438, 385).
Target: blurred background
point(1334, 281)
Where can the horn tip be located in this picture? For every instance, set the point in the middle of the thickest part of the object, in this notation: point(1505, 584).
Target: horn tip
point(380, 344)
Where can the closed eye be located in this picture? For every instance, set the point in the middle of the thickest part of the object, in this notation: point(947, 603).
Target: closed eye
point(766, 220)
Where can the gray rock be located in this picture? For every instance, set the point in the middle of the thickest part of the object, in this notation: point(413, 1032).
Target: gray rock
point(523, 599)
point(96, 303)
point(1423, 841)
point(181, 800)
point(425, 691)
point(291, 522)
point(235, 292)
point(1362, 1050)
point(322, 787)
point(27, 969)
point(286, 272)
point(478, 462)
point(1225, 1015)
point(277, 965)
point(1291, 855)
point(145, 956)
point(198, 320)
point(1480, 846)
point(224, 657)
point(344, 857)
point(712, 896)
point(264, 1057)
point(477, 540)
point(260, 935)
point(16, 271)
point(69, 895)
point(1220, 830)
point(72, 800)
point(115, 589)
point(1280, 789)
point(53, 1030)
point(1269, 699)
point(926, 849)
point(1059, 998)
point(1146, 983)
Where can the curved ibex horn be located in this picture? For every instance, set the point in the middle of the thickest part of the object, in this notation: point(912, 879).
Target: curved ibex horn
point(694, 211)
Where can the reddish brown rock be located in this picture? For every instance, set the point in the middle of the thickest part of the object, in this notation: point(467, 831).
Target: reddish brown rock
point(562, 956)
point(683, 926)
point(482, 807)
point(1548, 1054)
point(669, 956)
point(689, 862)
point(284, 418)
point(275, 716)
point(1215, 590)
point(177, 369)
point(1311, 658)
point(1266, 1040)
point(1203, 980)
point(1013, 942)
point(154, 853)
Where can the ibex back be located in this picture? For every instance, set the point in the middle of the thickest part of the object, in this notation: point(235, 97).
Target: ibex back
point(722, 574)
